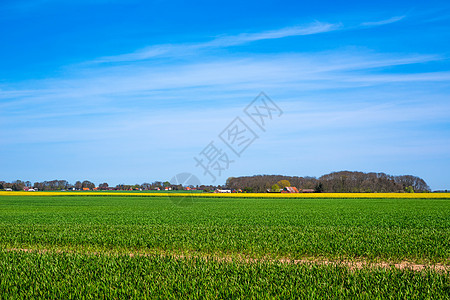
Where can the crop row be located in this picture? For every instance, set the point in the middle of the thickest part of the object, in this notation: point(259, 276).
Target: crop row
point(378, 229)
point(74, 276)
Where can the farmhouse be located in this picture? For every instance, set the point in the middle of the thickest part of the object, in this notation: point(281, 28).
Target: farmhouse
point(222, 191)
point(290, 189)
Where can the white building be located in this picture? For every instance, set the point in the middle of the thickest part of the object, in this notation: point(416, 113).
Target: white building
point(222, 191)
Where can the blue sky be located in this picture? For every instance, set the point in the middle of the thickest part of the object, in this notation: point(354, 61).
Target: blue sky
point(130, 91)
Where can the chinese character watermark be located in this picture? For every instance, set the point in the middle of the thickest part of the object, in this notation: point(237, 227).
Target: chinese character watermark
point(238, 136)
point(188, 181)
point(214, 160)
point(262, 109)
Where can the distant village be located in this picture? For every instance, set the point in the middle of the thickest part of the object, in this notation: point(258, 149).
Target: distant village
point(288, 189)
point(63, 185)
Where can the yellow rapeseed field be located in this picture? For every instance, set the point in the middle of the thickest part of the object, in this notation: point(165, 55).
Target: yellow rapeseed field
point(241, 195)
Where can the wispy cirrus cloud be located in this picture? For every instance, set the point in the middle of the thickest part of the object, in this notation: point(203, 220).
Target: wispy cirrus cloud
point(223, 41)
point(383, 22)
point(295, 72)
point(315, 28)
point(220, 42)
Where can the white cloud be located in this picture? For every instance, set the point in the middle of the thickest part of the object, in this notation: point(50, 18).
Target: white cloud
point(179, 50)
point(117, 101)
point(213, 79)
point(219, 42)
point(314, 28)
point(384, 22)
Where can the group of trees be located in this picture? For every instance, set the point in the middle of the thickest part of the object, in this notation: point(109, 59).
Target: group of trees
point(161, 185)
point(280, 185)
point(53, 185)
point(354, 182)
point(336, 182)
point(57, 185)
point(17, 185)
point(262, 183)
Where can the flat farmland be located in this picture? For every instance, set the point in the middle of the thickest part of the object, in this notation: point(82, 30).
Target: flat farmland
point(157, 247)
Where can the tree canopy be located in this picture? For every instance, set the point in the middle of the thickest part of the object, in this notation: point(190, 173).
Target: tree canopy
point(336, 182)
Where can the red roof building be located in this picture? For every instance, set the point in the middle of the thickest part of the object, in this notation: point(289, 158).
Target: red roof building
point(290, 189)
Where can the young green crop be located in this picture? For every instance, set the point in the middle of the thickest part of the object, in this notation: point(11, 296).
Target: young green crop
point(74, 276)
point(85, 244)
point(416, 230)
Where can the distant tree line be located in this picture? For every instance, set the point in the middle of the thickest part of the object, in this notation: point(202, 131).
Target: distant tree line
point(58, 185)
point(336, 182)
point(17, 185)
point(53, 185)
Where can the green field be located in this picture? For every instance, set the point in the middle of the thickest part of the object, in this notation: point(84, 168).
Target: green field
point(222, 247)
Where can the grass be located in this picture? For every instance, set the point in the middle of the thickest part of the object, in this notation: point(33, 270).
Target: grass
point(97, 234)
